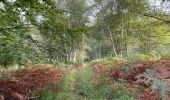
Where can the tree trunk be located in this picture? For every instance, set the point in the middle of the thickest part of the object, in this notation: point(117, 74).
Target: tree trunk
point(100, 52)
point(74, 56)
point(122, 48)
point(113, 46)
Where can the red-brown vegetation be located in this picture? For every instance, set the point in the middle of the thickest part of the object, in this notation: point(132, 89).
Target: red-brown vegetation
point(26, 80)
point(162, 69)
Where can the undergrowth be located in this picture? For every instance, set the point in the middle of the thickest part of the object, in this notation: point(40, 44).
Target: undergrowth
point(139, 77)
point(83, 85)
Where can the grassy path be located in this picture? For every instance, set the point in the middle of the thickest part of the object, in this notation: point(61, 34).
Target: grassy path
point(71, 79)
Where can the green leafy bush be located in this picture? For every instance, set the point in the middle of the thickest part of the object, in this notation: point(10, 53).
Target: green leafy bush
point(105, 61)
point(166, 56)
point(140, 57)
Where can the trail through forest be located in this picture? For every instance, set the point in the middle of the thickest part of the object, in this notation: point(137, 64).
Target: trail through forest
point(45, 44)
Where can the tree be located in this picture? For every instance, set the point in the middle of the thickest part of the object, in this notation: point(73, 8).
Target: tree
point(17, 19)
point(76, 19)
point(115, 17)
point(124, 24)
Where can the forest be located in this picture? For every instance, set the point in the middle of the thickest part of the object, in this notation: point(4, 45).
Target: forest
point(84, 49)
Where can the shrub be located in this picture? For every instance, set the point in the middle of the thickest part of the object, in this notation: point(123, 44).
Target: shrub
point(166, 56)
point(28, 79)
point(140, 57)
point(107, 62)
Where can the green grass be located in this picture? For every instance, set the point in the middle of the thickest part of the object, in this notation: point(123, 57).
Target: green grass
point(82, 85)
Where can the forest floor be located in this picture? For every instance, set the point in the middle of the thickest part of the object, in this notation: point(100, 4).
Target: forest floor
point(98, 80)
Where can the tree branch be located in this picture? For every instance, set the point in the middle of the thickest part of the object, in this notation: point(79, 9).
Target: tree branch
point(152, 16)
point(14, 27)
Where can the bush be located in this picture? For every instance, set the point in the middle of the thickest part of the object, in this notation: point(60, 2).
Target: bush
point(166, 56)
point(24, 81)
point(140, 57)
point(109, 62)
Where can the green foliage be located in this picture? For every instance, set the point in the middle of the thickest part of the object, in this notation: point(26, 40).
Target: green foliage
point(101, 90)
point(83, 84)
point(166, 56)
point(140, 57)
point(70, 31)
point(69, 96)
point(66, 35)
point(17, 42)
point(46, 95)
point(17, 18)
point(110, 62)
point(123, 94)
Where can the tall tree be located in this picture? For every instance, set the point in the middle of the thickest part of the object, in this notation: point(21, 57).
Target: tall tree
point(17, 19)
point(76, 19)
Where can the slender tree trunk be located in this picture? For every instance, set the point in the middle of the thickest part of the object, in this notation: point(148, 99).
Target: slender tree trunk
point(122, 37)
point(82, 50)
point(74, 55)
point(100, 52)
point(70, 53)
point(126, 38)
point(113, 45)
point(57, 58)
point(5, 64)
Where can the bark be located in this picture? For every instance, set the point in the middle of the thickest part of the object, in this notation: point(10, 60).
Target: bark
point(100, 52)
point(113, 45)
point(122, 33)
